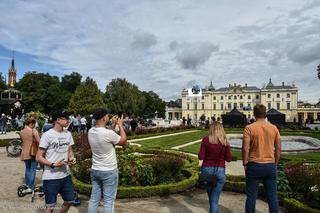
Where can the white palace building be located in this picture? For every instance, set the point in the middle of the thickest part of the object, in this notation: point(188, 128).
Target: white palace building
point(214, 102)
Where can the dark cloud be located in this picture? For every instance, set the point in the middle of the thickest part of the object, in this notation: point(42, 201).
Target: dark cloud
point(308, 6)
point(142, 40)
point(162, 81)
point(191, 56)
point(305, 54)
point(173, 45)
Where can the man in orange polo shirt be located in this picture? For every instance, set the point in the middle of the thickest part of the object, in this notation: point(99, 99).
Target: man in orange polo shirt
point(261, 149)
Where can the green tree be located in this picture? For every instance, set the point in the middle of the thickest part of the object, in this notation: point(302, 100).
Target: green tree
point(3, 85)
point(318, 71)
point(123, 96)
point(153, 104)
point(34, 87)
point(86, 98)
point(71, 82)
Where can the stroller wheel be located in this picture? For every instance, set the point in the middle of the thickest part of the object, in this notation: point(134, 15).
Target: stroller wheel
point(20, 190)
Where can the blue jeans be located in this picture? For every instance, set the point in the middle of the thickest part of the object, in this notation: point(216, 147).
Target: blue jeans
point(3, 128)
point(268, 174)
point(214, 192)
point(103, 183)
point(52, 188)
point(30, 173)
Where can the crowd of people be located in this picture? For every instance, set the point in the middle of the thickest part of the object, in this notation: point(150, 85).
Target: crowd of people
point(260, 153)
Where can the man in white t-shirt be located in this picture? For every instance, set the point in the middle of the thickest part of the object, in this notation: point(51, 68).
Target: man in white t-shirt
point(104, 170)
point(56, 154)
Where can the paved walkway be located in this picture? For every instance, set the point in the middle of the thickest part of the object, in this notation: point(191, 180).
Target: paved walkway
point(12, 172)
point(9, 135)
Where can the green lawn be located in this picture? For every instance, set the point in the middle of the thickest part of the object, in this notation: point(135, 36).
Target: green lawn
point(174, 140)
point(310, 157)
point(134, 136)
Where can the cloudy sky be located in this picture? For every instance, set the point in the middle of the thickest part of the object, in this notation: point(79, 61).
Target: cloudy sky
point(167, 45)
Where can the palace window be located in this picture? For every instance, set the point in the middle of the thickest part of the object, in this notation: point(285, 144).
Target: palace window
point(214, 97)
point(241, 105)
point(249, 96)
point(257, 96)
point(240, 96)
point(188, 107)
point(214, 106)
point(235, 97)
point(235, 105)
point(269, 95)
point(288, 105)
point(278, 95)
point(278, 106)
point(229, 106)
point(229, 97)
point(269, 105)
point(288, 95)
point(221, 106)
point(195, 106)
point(202, 97)
point(202, 106)
point(221, 98)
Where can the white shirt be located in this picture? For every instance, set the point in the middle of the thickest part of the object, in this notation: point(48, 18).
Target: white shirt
point(57, 145)
point(102, 142)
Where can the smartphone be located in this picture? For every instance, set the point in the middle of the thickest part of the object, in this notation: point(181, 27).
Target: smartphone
point(119, 114)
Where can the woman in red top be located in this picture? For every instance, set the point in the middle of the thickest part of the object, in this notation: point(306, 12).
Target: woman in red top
point(214, 151)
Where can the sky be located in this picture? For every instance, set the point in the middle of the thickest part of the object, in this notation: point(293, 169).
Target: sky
point(167, 45)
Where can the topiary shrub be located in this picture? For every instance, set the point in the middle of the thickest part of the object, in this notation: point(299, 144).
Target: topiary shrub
point(166, 168)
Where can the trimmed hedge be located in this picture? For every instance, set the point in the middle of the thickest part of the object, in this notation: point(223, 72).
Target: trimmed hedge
point(5, 142)
point(190, 170)
point(295, 206)
point(237, 184)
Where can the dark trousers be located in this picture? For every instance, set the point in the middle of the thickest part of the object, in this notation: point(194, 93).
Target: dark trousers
point(267, 173)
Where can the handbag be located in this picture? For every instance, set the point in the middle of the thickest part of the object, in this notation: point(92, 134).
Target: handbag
point(34, 146)
point(205, 181)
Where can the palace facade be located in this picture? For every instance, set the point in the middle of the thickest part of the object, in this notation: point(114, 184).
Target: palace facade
point(216, 102)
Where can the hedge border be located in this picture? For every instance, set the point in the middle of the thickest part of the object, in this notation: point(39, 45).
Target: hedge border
point(148, 191)
point(293, 205)
point(5, 142)
point(235, 184)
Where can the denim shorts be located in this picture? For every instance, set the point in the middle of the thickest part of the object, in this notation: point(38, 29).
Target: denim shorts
point(52, 188)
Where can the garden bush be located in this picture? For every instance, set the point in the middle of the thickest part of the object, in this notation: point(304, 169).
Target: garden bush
point(166, 168)
point(304, 178)
point(133, 170)
point(183, 180)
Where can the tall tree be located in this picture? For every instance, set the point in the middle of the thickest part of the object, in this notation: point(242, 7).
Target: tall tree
point(71, 82)
point(153, 104)
point(3, 84)
point(123, 96)
point(318, 71)
point(86, 98)
point(34, 87)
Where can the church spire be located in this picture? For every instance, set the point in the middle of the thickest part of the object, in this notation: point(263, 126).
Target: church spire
point(12, 73)
point(12, 61)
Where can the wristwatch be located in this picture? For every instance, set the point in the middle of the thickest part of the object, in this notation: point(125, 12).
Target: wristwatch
point(52, 166)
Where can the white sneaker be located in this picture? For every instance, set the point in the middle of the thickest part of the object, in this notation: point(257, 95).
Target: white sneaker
point(26, 191)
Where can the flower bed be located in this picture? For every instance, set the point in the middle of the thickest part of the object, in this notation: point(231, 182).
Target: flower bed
point(137, 174)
